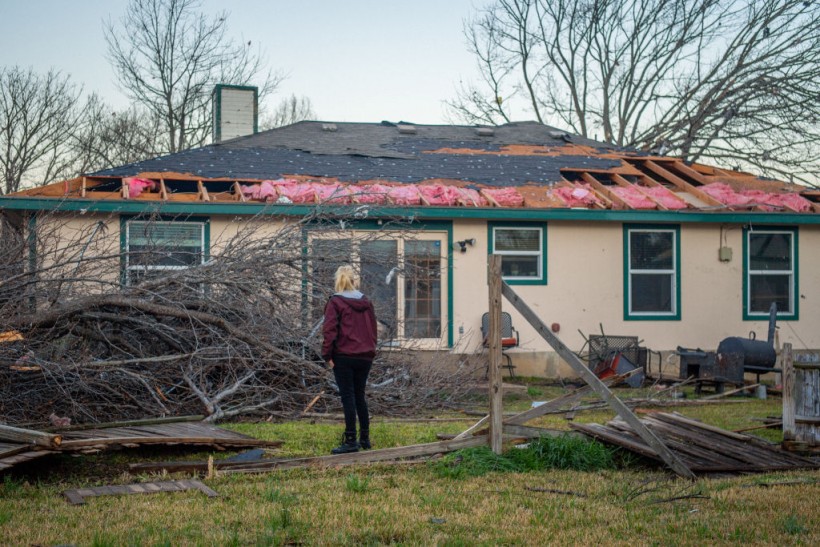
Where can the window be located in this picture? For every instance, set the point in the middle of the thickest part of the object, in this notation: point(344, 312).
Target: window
point(770, 272)
point(401, 275)
point(523, 250)
point(153, 247)
point(652, 273)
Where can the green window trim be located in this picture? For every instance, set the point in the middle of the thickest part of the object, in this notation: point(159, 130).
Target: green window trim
point(794, 287)
point(416, 226)
point(542, 254)
point(675, 314)
point(125, 220)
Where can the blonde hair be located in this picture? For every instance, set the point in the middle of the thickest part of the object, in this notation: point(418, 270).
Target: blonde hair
point(345, 279)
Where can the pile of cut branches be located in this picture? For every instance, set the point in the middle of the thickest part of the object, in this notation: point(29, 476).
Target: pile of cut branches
point(234, 334)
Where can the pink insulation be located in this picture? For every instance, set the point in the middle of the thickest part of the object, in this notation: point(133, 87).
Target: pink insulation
point(796, 202)
point(438, 194)
point(577, 196)
point(332, 193)
point(375, 194)
point(405, 195)
point(633, 197)
point(724, 194)
point(665, 197)
point(505, 197)
point(471, 198)
point(137, 185)
point(768, 201)
point(294, 191)
point(264, 191)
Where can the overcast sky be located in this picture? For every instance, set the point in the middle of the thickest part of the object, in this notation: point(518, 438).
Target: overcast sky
point(357, 60)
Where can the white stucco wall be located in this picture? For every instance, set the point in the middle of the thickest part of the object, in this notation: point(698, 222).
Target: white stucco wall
point(585, 291)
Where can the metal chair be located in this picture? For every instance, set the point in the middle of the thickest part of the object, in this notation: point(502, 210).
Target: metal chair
point(509, 338)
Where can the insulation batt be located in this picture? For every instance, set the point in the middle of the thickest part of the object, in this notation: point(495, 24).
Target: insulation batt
point(576, 196)
point(296, 192)
point(375, 194)
point(768, 201)
point(265, 191)
point(137, 185)
point(471, 198)
point(665, 197)
point(505, 197)
point(331, 193)
point(405, 195)
point(633, 197)
point(437, 194)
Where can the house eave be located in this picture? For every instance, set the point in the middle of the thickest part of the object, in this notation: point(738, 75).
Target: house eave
point(84, 206)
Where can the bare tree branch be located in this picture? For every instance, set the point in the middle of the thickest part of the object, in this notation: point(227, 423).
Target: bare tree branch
point(731, 82)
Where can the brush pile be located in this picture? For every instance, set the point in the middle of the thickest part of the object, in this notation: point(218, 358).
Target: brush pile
point(85, 335)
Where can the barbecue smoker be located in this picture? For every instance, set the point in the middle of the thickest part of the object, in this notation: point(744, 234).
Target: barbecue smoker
point(734, 357)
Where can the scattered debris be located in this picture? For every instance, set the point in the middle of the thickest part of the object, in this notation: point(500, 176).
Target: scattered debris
point(77, 496)
point(90, 441)
point(702, 447)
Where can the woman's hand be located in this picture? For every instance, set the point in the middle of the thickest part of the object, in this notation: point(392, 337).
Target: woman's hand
point(330, 364)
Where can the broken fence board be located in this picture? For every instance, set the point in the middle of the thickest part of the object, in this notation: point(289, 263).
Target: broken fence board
point(559, 402)
point(587, 375)
point(77, 496)
point(366, 456)
point(29, 436)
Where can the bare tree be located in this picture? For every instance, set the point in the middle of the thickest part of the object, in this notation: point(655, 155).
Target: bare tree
point(37, 115)
point(291, 110)
point(107, 138)
point(734, 82)
point(168, 56)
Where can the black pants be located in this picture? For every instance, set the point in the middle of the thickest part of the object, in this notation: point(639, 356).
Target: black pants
point(351, 377)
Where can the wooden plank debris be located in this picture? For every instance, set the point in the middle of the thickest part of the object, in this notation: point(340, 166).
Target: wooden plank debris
point(587, 375)
point(702, 447)
point(29, 436)
point(153, 432)
point(494, 351)
point(365, 456)
point(77, 496)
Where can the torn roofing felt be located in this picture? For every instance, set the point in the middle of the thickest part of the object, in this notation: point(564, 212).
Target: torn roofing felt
point(358, 152)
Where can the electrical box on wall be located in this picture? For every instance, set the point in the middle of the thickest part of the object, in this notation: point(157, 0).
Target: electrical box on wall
point(725, 254)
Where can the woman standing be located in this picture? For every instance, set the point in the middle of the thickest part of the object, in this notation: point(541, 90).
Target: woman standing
point(349, 348)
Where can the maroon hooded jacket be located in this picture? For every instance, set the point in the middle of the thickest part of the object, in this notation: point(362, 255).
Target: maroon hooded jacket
point(350, 327)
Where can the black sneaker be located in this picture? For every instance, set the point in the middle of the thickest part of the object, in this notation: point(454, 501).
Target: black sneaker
point(348, 445)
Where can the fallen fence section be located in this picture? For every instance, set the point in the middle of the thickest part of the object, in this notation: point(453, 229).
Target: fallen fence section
point(658, 447)
point(701, 447)
point(89, 441)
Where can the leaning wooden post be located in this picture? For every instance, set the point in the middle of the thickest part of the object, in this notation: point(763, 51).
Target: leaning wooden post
point(788, 378)
point(596, 384)
point(494, 348)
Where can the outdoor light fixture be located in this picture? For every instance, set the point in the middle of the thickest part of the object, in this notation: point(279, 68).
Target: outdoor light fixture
point(464, 242)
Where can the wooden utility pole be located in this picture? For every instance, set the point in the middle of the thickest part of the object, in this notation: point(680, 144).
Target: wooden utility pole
point(494, 349)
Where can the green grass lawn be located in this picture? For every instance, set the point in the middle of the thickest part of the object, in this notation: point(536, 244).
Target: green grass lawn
point(410, 504)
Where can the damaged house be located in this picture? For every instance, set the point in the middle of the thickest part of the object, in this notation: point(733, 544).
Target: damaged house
point(592, 236)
